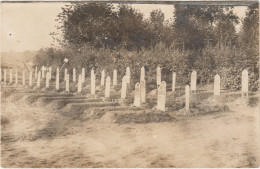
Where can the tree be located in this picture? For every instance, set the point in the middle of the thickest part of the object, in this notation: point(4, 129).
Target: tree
point(89, 23)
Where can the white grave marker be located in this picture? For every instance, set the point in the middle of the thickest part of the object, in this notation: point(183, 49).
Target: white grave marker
point(187, 97)
point(103, 77)
point(68, 83)
point(39, 79)
point(142, 77)
point(124, 87)
point(57, 79)
point(137, 97)
point(47, 80)
point(244, 82)
point(158, 75)
point(11, 76)
point(193, 81)
point(217, 85)
point(36, 72)
point(93, 82)
point(107, 88)
point(50, 73)
point(114, 77)
point(173, 81)
point(74, 75)
point(143, 91)
point(65, 73)
point(161, 96)
point(79, 83)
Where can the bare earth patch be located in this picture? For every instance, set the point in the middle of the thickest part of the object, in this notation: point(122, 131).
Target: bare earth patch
point(96, 137)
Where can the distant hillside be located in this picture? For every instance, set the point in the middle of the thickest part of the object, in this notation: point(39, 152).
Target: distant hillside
point(13, 59)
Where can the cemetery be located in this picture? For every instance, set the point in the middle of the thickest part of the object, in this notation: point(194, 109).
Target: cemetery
point(100, 84)
point(114, 102)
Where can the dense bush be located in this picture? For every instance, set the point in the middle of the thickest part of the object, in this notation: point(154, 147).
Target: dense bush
point(208, 63)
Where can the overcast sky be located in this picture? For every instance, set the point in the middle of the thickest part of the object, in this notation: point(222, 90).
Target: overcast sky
point(26, 26)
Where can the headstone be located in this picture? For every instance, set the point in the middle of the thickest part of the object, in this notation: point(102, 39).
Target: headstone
point(36, 72)
point(124, 87)
point(57, 79)
point(217, 85)
point(74, 75)
point(47, 80)
point(11, 76)
point(137, 96)
point(65, 73)
point(30, 79)
point(43, 70)
point(244, 83)
point(16, 77)
point(187, 97)
point(79, 83)
point(4, 75)
point(83, 75)
point(107, 88)
point(23, 77)
point(161, 96)
point(143, 91)
point(68, 83)
point(39, 79)
point(114, 77)
point(103, 77)
point(50, 73)
point(93, 83)
point(173, 81)
point(193, 81)
point(92, 73)
point(159, 76)
point(128, 75)
point(142, 77)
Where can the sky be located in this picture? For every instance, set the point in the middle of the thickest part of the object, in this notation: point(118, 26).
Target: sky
point(26, 26)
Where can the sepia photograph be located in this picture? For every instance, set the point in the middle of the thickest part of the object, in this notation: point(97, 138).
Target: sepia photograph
point(131, 84)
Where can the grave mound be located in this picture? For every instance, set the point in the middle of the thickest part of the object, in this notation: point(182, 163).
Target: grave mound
point(97, 113)
point(141, 117)
point(14, 97)
point(56, 104)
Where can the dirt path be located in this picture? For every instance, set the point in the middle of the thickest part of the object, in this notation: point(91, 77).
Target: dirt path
point(34, 137)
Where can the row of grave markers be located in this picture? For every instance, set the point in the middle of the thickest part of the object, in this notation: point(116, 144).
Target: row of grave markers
point(140, 87)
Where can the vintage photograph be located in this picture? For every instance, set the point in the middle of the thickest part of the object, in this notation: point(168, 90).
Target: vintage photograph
point(133, 84)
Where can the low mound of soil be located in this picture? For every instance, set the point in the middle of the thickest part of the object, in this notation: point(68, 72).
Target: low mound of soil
point(74, 107)
point(6, 93)
point(42, 101)
point(56, 104)
point(97, 113)
point(141, 117)
point(14, 97)
point(212, 104)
